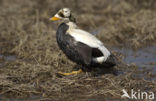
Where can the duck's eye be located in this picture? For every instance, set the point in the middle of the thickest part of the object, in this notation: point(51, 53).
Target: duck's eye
point(60, 14)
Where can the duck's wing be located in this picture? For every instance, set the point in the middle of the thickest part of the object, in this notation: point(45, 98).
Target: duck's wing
point(84, 52)
point(90, 40)
point(87, 54)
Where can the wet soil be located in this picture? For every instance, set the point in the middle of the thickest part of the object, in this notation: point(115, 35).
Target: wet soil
point(30, 57)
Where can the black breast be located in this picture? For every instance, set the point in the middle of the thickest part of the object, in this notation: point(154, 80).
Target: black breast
point(61, 34)
point(64, 40)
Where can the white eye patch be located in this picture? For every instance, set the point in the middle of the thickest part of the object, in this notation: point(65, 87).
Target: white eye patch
point(66, 12)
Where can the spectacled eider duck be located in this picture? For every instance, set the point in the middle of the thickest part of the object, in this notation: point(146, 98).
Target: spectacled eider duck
point(79, 45)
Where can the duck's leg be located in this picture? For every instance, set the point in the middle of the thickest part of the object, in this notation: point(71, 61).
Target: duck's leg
point(71, 73)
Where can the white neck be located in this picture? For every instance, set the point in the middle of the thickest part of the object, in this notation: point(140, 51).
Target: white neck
point(71, 25)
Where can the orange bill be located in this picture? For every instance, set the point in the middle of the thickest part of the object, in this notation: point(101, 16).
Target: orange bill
point(54, 18)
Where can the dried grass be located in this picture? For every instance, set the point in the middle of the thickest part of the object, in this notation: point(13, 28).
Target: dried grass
point(27, 33)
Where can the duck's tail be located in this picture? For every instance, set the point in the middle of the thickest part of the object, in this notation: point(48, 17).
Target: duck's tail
point(111, 61)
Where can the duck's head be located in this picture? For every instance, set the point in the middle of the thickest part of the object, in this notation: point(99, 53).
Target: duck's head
point(63, 14)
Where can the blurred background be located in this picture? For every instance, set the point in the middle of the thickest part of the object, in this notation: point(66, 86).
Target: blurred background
point(29, 52)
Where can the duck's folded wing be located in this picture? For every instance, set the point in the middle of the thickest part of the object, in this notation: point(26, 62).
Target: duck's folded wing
point(86, 54)
point(90, 40)
point(84, 51)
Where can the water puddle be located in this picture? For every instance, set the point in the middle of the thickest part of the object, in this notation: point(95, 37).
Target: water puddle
point(144, 58)
point(6, 58)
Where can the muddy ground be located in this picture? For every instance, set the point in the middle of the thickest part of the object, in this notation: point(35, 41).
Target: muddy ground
point(28, 38)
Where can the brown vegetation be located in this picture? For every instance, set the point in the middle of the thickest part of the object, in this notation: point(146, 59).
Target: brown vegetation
point(27, 33)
